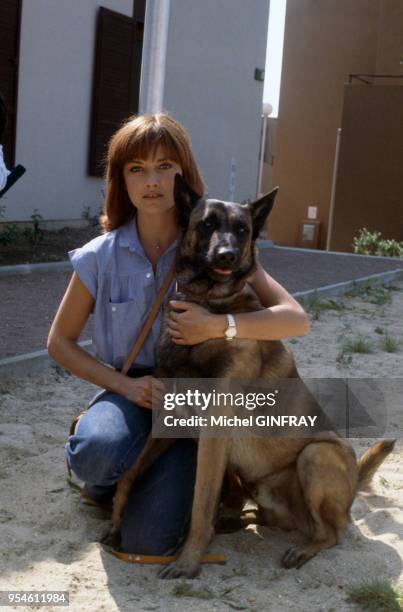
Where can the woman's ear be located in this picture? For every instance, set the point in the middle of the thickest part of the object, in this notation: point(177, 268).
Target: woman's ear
point(185, 200)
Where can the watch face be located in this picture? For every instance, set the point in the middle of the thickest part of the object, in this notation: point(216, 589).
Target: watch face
point(230, 333)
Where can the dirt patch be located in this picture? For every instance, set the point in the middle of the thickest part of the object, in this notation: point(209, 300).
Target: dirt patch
point(25, 248)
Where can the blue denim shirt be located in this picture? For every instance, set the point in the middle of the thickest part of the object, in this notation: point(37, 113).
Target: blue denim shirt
point(118, 274)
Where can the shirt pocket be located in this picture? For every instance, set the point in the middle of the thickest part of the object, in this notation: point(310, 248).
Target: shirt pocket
point(126, 320)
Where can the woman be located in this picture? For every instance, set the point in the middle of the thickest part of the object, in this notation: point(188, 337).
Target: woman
point(116, 278)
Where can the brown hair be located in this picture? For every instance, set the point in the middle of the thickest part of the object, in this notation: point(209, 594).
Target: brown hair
point(137, 139)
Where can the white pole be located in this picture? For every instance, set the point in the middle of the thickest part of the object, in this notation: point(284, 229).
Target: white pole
point(156, 24)
point(261, 160)
point(333, 193)
point(267, 110)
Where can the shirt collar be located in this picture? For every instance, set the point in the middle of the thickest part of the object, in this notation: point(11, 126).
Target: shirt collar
point(128, 237)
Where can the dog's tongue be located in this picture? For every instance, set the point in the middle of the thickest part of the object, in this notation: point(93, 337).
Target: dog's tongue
point(220, 271)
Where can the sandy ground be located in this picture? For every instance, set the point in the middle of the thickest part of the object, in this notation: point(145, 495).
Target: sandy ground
point(49, 539)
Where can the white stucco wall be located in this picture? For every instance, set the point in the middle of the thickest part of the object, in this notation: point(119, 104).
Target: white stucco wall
point(54, 103)
point(213, 49)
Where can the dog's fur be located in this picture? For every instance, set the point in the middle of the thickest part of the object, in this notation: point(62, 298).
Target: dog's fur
point(304, 483)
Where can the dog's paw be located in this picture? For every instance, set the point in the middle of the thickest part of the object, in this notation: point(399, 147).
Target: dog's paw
point(296, 557)
point(111, 537)
point(177, 570)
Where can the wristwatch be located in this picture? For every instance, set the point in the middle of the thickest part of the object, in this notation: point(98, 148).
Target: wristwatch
point(230, 332)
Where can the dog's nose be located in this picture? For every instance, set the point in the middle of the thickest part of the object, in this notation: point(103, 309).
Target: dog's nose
point(226, 256)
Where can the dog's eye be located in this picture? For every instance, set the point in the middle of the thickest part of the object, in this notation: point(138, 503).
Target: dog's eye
point(241, 229)
point(207, 223)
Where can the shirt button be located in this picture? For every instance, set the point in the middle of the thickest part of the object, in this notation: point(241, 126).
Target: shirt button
point(148, 275)
point(113, 308)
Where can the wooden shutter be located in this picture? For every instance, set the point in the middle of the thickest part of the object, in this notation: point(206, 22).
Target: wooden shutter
point(10, 18)
point(116, 84)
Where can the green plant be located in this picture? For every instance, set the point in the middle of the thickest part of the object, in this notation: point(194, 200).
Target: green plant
point(9, 234)
point(376, 596)
point(372, 243)
point(390, 248)
point(357, 344)
point(86, 214)
point(35, 234)
point(344, 360)
point(368, 292)
point(390, 344)
point(316, 304)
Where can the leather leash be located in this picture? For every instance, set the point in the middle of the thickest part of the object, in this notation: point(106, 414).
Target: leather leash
point(164, 560)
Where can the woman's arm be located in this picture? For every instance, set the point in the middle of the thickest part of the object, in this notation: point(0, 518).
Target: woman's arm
point(282, 318)
point(73, 313)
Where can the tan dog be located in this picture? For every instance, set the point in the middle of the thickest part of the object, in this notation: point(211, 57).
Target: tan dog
point(308, 483)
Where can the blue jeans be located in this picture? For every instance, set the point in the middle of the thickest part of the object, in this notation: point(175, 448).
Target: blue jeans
point(107, 441)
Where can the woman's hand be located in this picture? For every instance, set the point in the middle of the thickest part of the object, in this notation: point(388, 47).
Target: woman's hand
point(140, 391)
point(194, 323)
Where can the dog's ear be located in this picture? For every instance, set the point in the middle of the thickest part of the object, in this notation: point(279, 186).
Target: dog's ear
point(185, 200)
point(260, 210)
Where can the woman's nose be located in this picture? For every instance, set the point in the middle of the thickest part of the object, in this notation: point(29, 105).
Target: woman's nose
point(151, 178)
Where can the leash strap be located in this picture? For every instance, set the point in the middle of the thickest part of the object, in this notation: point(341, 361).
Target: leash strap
point(148, 324)
point(163, 560)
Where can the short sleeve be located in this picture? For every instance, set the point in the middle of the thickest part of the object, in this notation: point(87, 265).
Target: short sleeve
point(85, 265)
point(3, 171)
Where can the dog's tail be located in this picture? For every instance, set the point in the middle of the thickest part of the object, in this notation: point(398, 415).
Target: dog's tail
point(370, 461)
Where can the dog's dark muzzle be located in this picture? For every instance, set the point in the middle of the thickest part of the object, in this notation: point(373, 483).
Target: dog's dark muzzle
point(226, 257)
point(225, 261)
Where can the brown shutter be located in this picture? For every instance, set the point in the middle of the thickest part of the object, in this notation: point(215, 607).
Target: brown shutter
point(116, 85)
point(10, 17)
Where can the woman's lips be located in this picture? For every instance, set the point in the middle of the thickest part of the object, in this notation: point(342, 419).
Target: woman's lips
point(221, 271)
point(153, 196)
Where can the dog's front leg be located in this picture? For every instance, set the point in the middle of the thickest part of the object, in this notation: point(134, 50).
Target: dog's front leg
point(212, 459)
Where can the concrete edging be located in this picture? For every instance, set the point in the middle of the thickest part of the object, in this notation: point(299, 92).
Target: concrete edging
point(341, 253)
point(33, 363)
point(56, 266)
point(340, 289)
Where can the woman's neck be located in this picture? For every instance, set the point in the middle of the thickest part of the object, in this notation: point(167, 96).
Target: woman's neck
point(156, 234)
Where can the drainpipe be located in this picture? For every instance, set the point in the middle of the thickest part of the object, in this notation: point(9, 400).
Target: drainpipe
point(333, 193)
point(155, 42)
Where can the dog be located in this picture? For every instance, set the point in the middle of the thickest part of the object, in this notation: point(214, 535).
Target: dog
point(307, 483)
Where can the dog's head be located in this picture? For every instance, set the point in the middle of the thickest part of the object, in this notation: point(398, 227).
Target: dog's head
point(217, 249)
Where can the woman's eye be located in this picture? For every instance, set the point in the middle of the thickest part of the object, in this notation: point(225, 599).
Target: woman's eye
point(166, 166)
point(135, 168)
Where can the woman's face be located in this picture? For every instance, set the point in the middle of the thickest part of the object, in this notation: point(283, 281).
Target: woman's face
point(150, 182)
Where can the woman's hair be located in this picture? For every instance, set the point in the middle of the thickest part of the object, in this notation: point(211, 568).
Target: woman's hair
point(139, 138)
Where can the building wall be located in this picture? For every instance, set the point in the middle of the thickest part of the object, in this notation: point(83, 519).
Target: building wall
point(213, 49)
point(369, 186)
point(54, 102)
point(324, 41)
point(390, 38)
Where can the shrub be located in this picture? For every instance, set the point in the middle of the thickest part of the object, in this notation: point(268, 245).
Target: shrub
point(372, 243)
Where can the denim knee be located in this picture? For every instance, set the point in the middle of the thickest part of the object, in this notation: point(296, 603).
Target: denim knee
point(107, 440)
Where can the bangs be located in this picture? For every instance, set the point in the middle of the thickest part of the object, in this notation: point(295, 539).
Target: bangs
point(144, 143)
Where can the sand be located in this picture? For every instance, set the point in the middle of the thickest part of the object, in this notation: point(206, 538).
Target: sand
point(49, 539)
